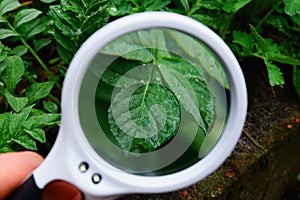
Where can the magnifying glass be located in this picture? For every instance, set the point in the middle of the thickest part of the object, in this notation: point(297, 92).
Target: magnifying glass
point(152, 102)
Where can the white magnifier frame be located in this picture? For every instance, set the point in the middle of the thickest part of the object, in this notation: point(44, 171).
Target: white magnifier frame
point(72, 148)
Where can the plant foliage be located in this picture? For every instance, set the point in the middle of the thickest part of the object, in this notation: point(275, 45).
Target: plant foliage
point(25, 111)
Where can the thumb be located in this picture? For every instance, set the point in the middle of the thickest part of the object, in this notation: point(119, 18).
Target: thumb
point(15, 168)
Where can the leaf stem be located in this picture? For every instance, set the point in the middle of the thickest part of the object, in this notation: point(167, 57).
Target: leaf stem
point(268, 14)
point(223, 31)
point(35, 55)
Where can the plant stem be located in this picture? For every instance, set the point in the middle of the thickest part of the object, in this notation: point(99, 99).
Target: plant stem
point(36, 56)
point(223, 31)
point(254, 141)
point(268, 14)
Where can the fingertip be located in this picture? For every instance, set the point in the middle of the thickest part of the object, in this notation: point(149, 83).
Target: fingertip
point(16, 166)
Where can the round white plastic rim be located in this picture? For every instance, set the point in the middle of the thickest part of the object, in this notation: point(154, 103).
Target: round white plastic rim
point(238, 98)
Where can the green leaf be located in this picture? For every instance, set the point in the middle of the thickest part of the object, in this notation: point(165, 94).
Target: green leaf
point(185, 5)
point(20, 50)
point(38, 134)
point(195, 87)
point(240, 4)
point(13, 72)
point(4, 130)
point(32, 28)
point(184, 79)
point(274, 74)
point(244, 39)
point(4, 123)
point(184, 92)
point(261, 41)
point(231, 6)
point(17, 103)
point(188, 48)
point(148, 121)
point(26, 15)
point(38, 91)
point(283, 59)
point(17, 120)
point(8, 5)
point(41, 43)
point(296, 79)
point(292, 7)
point(42, 120)
point(25, 141)
point(137, 45)
point(5, 33)
point(50, 106)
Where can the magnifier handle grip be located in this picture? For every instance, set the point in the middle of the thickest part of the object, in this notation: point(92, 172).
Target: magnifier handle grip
point(27, 191)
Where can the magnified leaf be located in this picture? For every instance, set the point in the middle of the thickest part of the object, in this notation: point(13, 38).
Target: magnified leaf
point(145, 120)
point(170, 67)
point(191, 90)
point(190, 48)
point(142, 46)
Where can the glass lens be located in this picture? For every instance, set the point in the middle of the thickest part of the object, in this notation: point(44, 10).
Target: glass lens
point(154, 101)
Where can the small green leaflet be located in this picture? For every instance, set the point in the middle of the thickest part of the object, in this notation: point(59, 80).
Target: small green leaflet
point(25, 15)
point(50, 106)
point(38, 134)
point(234, 6)
point(13, 72)
point(245, 40)
point(274, 74)
point(38, 91)
point(292, 7)
point(17, 103)
point(25, 141)
point(5, 33)
point(8, 5)
point(260, 40)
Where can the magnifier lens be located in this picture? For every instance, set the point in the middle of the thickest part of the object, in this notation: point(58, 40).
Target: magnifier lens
point(154, 101)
